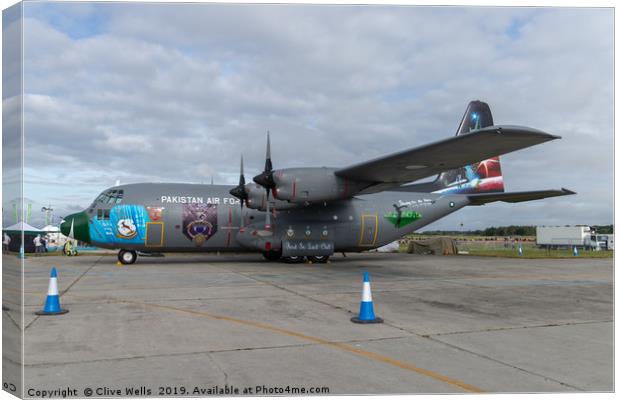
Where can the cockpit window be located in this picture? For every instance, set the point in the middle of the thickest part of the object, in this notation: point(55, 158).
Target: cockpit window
point(113, 196)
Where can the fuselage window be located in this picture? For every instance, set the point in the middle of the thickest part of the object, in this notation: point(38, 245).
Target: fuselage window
point(103, 214)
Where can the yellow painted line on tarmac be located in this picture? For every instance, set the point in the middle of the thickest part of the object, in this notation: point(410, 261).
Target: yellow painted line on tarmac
point(342, 346)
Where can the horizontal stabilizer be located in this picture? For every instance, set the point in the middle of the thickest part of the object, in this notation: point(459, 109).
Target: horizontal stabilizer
point(479, 199)
point(431, 159)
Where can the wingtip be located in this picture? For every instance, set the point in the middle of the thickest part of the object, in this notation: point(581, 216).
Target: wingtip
point(548, 136)
point(568, 192)
point(523, 130)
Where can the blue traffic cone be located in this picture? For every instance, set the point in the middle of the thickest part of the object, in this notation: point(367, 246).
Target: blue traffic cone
point(520, 249)
point(52, 303)
point(367, 312)
point(21, 252)
point(575, 251)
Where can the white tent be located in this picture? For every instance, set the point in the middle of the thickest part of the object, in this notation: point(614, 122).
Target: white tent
point(389, 248)
point(51, 229)
point(53, 236)
point(22, 226)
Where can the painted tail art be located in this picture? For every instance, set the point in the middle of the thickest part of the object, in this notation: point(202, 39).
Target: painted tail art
point(482, 177)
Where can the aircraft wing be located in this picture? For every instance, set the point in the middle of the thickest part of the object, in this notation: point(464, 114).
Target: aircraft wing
point(478, 199)
point(424, 161)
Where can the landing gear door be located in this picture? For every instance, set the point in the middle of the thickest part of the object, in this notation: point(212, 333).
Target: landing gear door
point(369, 229)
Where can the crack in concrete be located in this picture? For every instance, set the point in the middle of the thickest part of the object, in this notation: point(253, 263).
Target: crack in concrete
point(307, 297)
point(206, 352)
point(61, 293)
point(423, 336)
point(508, 328)
point(8, 314)
point(104, 300)
point(81, 276)
point(219, 367)
point(429, 337)
point(506, 364)
point(336, 307)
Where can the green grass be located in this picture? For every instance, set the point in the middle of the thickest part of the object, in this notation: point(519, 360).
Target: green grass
point(483, 249)
point(534, 252)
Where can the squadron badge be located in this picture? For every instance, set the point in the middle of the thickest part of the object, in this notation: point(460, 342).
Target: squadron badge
point(199, 222)
point(126, 228)
point(155, 213)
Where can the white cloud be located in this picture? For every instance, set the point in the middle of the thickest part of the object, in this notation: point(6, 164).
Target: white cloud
point(193, 85)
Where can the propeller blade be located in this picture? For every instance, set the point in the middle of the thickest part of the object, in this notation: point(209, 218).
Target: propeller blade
point(265, 178)
point(242, 184)
point(267, 216)
point(268, 165)
point(241, 176)
point(239, 190)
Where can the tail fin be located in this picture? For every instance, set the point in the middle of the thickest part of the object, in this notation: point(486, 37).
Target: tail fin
point(477, 116)
point(481, 177)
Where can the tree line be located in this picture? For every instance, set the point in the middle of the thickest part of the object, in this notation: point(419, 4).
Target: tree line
point(512, 230)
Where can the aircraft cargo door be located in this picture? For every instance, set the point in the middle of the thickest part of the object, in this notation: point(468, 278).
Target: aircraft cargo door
point(154, 234)
point(369, 230)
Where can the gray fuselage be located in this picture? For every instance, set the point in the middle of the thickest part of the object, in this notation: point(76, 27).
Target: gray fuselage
point(162, 217)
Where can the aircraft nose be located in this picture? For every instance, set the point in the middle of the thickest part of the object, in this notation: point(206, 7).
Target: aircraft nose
point(75, 226)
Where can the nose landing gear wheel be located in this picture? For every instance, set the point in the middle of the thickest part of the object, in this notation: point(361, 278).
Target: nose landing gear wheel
point(127, 256)
point(318, 259)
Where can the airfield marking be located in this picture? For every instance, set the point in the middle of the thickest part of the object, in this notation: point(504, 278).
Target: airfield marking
point(342, 346)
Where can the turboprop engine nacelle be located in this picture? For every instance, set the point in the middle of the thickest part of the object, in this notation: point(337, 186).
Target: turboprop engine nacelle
point(257, 199)
point(301, 185)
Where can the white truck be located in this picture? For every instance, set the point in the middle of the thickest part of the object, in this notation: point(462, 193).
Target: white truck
point(606, 241)
point(567, 236)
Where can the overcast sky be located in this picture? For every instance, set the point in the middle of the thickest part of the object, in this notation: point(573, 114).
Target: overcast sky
point(175, 92)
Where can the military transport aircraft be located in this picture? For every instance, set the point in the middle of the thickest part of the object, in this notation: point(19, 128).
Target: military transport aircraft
point(297, 213)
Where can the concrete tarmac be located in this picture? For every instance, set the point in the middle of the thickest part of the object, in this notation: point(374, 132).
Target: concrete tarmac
point(183, 324)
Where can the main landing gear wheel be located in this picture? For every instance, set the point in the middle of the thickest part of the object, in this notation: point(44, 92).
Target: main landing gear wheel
point(318, 259)
point(272, 255)
point(127, 256)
